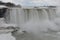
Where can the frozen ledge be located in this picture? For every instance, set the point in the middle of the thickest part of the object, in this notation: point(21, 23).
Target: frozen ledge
point(7, 30)
point(39, 7)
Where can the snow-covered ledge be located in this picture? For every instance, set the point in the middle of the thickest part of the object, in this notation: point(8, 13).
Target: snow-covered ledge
point(6, 28)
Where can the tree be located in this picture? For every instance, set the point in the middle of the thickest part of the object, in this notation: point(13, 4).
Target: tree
point(10, 4)
point(2, 3)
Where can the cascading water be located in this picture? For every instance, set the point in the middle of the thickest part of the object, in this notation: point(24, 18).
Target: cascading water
point(54, 15)
point(51, 13)
point(37, 27)
point(57, 17)
point(37, 17)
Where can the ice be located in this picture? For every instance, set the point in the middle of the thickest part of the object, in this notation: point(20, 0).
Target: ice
point(6, 36)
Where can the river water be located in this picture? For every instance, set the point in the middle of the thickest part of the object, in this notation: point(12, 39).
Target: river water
point(36, 24)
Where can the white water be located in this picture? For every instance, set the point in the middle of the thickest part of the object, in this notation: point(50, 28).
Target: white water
point(5, 35)
point(35, 24)
point(39, 24)
point(38, 18)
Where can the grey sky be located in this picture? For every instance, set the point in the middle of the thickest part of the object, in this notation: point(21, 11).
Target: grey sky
point(34, 2)
point(6, 0)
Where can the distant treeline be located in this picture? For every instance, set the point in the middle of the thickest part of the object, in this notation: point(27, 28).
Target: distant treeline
point(9, 4)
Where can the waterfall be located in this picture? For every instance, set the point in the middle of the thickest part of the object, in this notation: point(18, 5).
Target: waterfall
point(36, 23)
point(51, 13)
point(33, 16)
point(57, 17)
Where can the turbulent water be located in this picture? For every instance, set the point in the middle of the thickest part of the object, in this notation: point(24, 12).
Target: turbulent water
point(6, 36)
point(38, 24)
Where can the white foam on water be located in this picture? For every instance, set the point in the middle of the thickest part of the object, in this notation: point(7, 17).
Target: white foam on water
point(39, 25)
point(6, 36)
